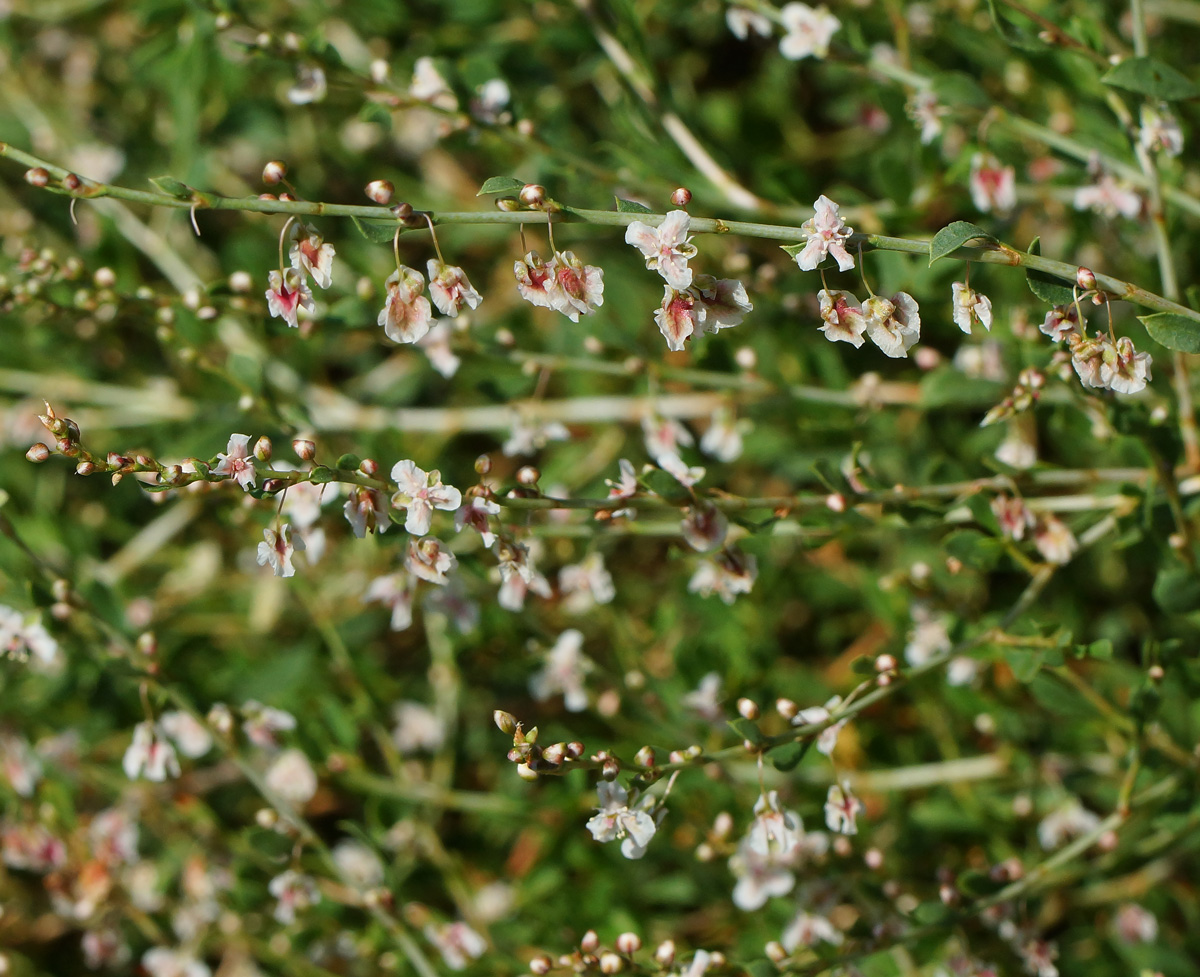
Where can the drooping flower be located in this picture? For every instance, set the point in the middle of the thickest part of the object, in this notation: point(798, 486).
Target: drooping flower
point(723, 300)
point(394, 590)
point(723, 439)
point(1108, 198)
point(457, 943)
point(450, 289)
point(367, 511)
point(826, 234)
point(406, 314)
point(418, 728)
point(679, 316)
point(625, 487)
point(287, 295)
point(1135, 924)
point(705, 699)
point(730, 573)
point(924, 110)
point(492, 97)
point(664, 435)
point(1160, 130)
point(292, 777)
point(519, 576)
point(580, 287)
point(277, 549)
point(993, 187)
point(476, 513)
point(1054, 540)
point(807, 929)
point(1123, 369)
point(667, 248)
point(189, 734)
point(536, 281)
point(894, 324)
point(1060, 322)
point(419, 493)
point(679, 469)
point(113, 836)
point(435, 344)
point(311, 254)
point(428, 559)
point(828, 737)
point(704, 527)
point(564, 672)
point(237, 462)
point(808, 31)
point(1013, 515)
point(150, 755)
point(1087, 357)
point(970, 307)
point(844, 321)
point(294, 893)
point(586, 584)
point(842, 809)
point(773, 829)
point(742, 21)
point(616, 819)
point(310, 85)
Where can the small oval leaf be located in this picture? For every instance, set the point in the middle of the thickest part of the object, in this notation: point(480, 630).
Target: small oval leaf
point(1173, 331)
point(500, 184)
point(172, 187)
point(1147, 76)
point(953, 236)
point(1046, 287)
point(631, 207)
point(377, 232)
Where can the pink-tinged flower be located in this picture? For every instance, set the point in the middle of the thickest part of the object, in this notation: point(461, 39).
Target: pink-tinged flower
point(367, 511)
point(723, 439)
point(457, 943)
point(724, 301)
point(406, 314)
point(742, 21)
point(705, 699)
point(1013, 515)
point(809, 930)
point(585, 584)
point(519, 576)
point(970, 308)
point(930, 635)
point(1087, 357)
point(616, 819)
point(993, 187)
point(842, 809)
point(760, 877)
point(1160, 131)
point(667, 248)
point(773, 830)
point(188, 733)
point(704, 527)
point(104, 948)
point(292, 777)
point(1060, 322)
point(277, 549)
point(664, 435)
point(893, 325)
point(310, 85)
point(1017, 450)
point(580, 287)
point(418, 729)
point(113, 837)
point(924, 110)
point(450, 289)
point(236, 461)
point(288, 294)
point(828, 737)
point(808, 31)
point(1054, 540)
point(20, 764)
point(150, 755)
point(419, 493)
point(729, 574)
point(844, 321)
point(428, 85)
point(476, 513)
point(537, 282)
point(31, 848)
point(311, 254)
point(261, 723)
point(676, 467)
point(1066, 822)
point(679, 317)
point(565, 669)
point(20, 638)
point(1108, 198)
point(294, 893)
point(826, 234)
point(435, 344)
point(429, 560)
point(1123, 369)
point(394, 590)
point(1134, 924)
point(529, 437)
point(625, 487)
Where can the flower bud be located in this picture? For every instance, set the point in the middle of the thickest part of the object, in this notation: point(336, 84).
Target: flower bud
point(1155, 673)
point(72, 182)
point(610, 769)
point(403, 210)
point(775, 952)
point(948, 894)
point(266, 817)
point(873, 858)
point(644, 757)
point(380, 191)
point(221, 719)
point(263, 449)
point(483, 465)
point(885, 663)
point(274, 172)
point(1085, 278)
point(39, 176)
point(267, 196)
point(590, 942)
point(575, 750)
point(506, 722)
point(305, 449)
point(554, 753)
point(681, 196)
point(104, 278)
point(369, 467)
point(541, 964)
point(611, 963)
point(786, 708)
point(716, 959)
point(287, 198)
point(85, 468)
point(665, 953)
point(526, 772)
point(38, 453)
point(747, 708)
point(629, 943)
point(835, 502)
point(533, 195)
point(379, 70)
point(508, 204)
point(147, 643)
point(528, 476)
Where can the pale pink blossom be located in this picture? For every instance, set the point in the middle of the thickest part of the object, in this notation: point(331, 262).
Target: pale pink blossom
point(564, 672)
point(435, 344)
point(1123, 368)
point(1068, 821)
point(492, 98)
point(585, 584)
point(1060, 322)
point(31, 847)
point(1108, 198)
point(113, 837)
point(357, 864)
point(1087, 357)
point(843, 317)
point(1160, 131)
point(807, 929)
point(616, 819)
point(1135, 924)
point(773, 829)
point(261, 723)
point(828, 737)
point(625, 487)
point(826, 234)
point(928, 638)
point(528, 437)
point(189, 734)
point(842, 809)
point(742, 21)
point(450, 289)
point(150, 755)
point(893, 325)
point(924, 110)
point(292, 777)
point(664, 435)
point(406, 314)
point(808, 31)
point(311, 254)
point(294, 893)
point(367, 511)
point(236, 461)
point(727, 575)
point(993, 187)
point(395, 591)
point(679, 469)
point(704, 527)
point(419, 493)
point(104, 948)
point(1054, 540)
point(277, 549)
point(970, 307)
point(476, 512)
point(428, 559)
point(760, 876)
point(666, 248)
point(163, 962)
point(723, 439)
point(679, 317)
point(418, 728)
point(20, 638)
point(537, 282)
point(457, 943)
point(705, 699)
point(1013, 515)
point(580, 287)
point(723, 301)
point(310, 85)
point(287, 295)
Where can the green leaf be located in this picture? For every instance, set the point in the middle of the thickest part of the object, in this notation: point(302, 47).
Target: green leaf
point(1024, 662)
point(664, 485)
point(1172, 330)
point(863, 665)
point(1046, 287)
point(1177, 590)
point(172, 187)
point(500, 184)
point(1146, 76)
point(377, 232)
point(348, 463)
point(978, 884)
point(953, 236)
point(973, 549)
point(631, 207)
point(1018, 39)
point(1102, 649)
point(793, 249)
point(747, 730)
point(788, 756)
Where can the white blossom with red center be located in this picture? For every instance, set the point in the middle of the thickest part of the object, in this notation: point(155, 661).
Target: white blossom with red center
point(924, 110)
point(1123, 369)
point(580, 287)
point(1087, 357)
point(970, 308)
point(729, 574)
point(704, 527)
point(679, 317)
point(277, 549)
point(826, 234)
point(150, 755)
point(395, 591)
point(287, 295)
point(450, 289)
point(429, 559)
point(419, 493)
point(585, 584)
point(1013, 515)
point(1060, 322)
point(457, 942)
point(20, 638)
point(536, 281)
point(236, 461)
point(366, 510)
point(808, 31)
point(842, 809)
point(406, 314)
point(476, 512)
point(1054, 540)
point(519, 575)
point(666, 248)
point(564, 672)
point(993, 187)
point(295, 893)
point(773, 829)
point(842, 314)
point(894, 324)
point(1108, 198)
point(310, 254)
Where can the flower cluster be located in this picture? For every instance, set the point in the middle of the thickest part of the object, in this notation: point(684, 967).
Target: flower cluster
point(894, 325)
point(564, 283)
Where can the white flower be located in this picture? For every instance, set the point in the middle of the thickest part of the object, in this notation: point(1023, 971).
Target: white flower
point(113, 836)
point(678, 317)
point(1016, 450)
point(536, 281)
point(277, 549)
point(476, 512)
point(450, 289)
point(773, 829)
point(667, 248)
point(759, 877)
point(236, 462)
point(705, 699)
point(528, 437)
point(429, 86)
point(418, 728)
point(406, 315)
point(723, 439)
point(292, 777)
point(1108, 198)
point(435, 344)
point(809, 31)
point(1123, 368)
point(457, 942)
point(150, 755)
point(1134, 924)
point(1013, 516)
point(1054, 540)
point(893, 325)
point(961, 670)
point(663, 436)
point(579, 288)
point(585, 584)
point(742, 21)
point(519, 576)
point(1060, 322)
point(366, 510)
point(842, 314)
point(287, 294)
point(428, 560)
point(294, 892)
point(358, 863)
point(924, 110)
point(565, 670)
point(617, 820)
point(826, 234)
point(728, 575)
point(20, 764)
point(20, 638)
point(161, 962)
point(970, 307)
point(704, 527)
point(492, 97)
point(394, 590)
point(190, 735)
point(310, 85)
point(724, 302)
point(827, 738)
point(1160, 131)
point(928, 638)
point(263, 722)
point(841, 810)
point(420, 492)
point(312, 255)
point(807, 930)
point(993, 187)
point(1069, 821)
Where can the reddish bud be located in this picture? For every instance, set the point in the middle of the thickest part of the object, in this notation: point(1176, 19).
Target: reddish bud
point(104, 278)
point(263, 449)
point(85, 468)
point(644, 757)
point(665, 953)
point(508, 204)
point(528, 476)
point(1155, 673)
point(610, 769)
point(629, 943)
point(305, 450)
point(611, 963)
point(747, 708)
point(39, 176)
point(287, 198)
point(274, 172)
point(786, 708)
point(835, 502)
point(590, 942)
point(369, 467)
point(574, 750)
point(681, 196)
point(403, 210)
point(533, 195)
point(885, 663)
point(1085, 278)
point(72, 182)
point(380, 191)
point(267, 196)
point(541, 964)
point(38, 453)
